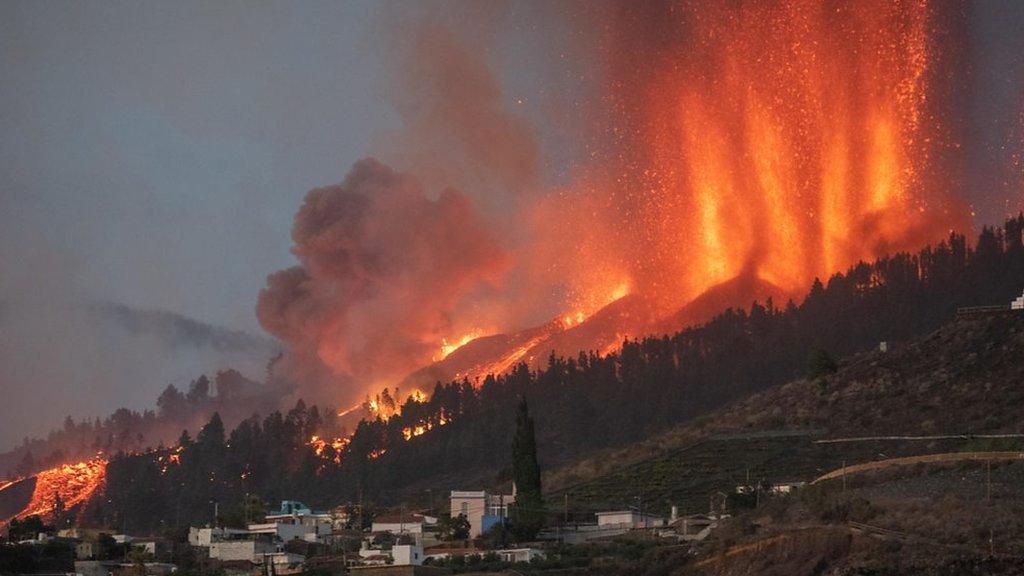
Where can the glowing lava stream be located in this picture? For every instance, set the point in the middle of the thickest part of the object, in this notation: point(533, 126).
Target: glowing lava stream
point(449, 347)
point(73, 483)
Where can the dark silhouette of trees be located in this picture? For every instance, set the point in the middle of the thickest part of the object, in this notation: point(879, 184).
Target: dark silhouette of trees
point(527, 513)
point(821, 364)
point(199, 391)
point(171, 401)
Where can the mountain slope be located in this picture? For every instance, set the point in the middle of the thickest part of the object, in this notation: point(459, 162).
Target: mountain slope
point(964, 378)
point(967, 377)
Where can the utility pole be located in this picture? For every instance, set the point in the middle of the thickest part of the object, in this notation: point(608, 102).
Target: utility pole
point(988, 481)
point(844, 476)
point(565, 518)
point(988, 501)
point(359, 489)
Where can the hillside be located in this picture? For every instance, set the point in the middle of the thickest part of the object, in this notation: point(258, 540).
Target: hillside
point(961, 379)
point(940, 394)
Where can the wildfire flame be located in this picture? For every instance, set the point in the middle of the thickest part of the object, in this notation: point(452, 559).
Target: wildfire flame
point(384, 405)
point(320, 446)
point(411, 432)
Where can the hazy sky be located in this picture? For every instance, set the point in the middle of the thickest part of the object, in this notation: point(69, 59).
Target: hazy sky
point(163, 147)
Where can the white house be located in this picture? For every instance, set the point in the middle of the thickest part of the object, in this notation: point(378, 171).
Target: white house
point(207, 536)
point(402, 524)
point(407, 554)
point(309, 525)
point(787, 487)
point(629, 519)
point(519, 554)
point(286, 532)
point(249, 550)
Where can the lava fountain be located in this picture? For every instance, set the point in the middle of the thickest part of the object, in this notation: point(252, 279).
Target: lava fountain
point(733, 150)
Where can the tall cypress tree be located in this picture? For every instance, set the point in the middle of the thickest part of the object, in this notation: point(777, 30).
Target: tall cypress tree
point(528, 509)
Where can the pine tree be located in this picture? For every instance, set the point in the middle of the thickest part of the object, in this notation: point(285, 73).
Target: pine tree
point(212, 435)
point(528, 509)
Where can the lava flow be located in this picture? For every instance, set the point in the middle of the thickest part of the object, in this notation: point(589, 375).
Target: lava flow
point(67, 484)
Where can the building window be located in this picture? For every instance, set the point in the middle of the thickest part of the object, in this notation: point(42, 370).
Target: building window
point(464, 508)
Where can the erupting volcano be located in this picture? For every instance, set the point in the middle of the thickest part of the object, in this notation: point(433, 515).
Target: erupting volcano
point(733, 152)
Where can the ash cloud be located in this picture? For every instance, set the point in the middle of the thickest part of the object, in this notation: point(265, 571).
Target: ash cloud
point(385, 269)
point(457, 130)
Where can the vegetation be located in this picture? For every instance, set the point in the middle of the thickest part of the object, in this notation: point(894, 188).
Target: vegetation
point(581, 404)
point(129, 431)
point(527, 512)
point(821, 365)
point(54, 556)
point(27, 528)
point(453, 528)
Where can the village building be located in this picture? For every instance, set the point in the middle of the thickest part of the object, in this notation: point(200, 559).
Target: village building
point(520, 554)
point(247, 550)
point(695, 527)
point(205, 536)
point(481, 509)
point(403, 523)
point(628, 519)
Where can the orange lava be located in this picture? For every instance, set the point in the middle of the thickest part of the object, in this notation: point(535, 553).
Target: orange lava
point(73, 483)
point(787, 140)
point(449, 347)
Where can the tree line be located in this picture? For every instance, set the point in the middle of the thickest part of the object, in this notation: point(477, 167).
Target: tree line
point(580, 403)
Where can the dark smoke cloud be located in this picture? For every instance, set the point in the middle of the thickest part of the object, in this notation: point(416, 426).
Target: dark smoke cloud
point(384, 268)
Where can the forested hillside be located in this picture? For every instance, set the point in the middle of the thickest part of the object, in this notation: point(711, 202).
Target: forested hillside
point(128, 431)
point(580, 404)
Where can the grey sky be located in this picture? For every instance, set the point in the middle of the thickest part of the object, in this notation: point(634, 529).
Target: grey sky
point(164, 146)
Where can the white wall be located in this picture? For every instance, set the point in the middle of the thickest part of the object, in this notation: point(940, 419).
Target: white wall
point(240, 550)
point(616, 518)
point(405, 554)
point(398, 527)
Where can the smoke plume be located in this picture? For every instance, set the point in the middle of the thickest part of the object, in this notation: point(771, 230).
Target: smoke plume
point(385, 272)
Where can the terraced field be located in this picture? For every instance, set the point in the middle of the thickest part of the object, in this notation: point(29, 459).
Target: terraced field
point(690, 476)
